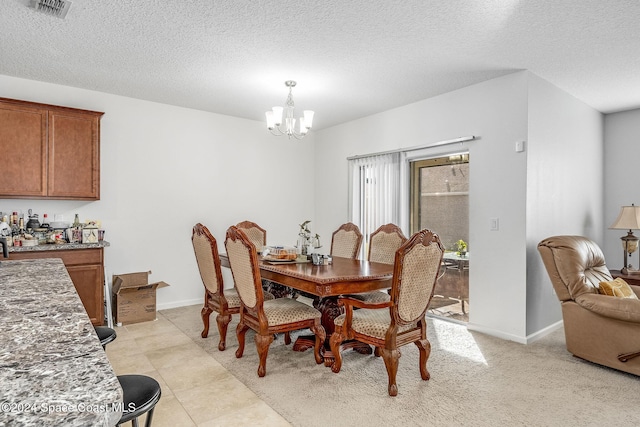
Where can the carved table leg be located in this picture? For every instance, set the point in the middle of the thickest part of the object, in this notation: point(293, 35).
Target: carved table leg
point(329, 308)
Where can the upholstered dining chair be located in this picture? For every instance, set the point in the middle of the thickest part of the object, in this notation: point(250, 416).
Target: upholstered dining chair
point(223, 301)
point(346, 241)
point(258, 237)
point(266, 317)
point(383, 244)
point(255, 233)
point(401, 320)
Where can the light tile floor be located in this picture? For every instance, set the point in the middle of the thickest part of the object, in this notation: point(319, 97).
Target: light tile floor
point(196, 389)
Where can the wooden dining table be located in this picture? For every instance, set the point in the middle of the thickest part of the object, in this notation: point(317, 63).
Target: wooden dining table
point(343, 276)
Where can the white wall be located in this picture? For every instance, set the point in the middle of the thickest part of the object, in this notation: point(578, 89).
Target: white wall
point(564, 186)
point(164, 168)
point(496, 112)
point(553, 187)
point(622, 151)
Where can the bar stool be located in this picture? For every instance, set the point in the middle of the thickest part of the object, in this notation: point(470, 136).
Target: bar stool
point(141, 393)
point(105, 334)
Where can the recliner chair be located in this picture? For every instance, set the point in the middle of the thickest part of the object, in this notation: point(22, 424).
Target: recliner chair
point(599, 328)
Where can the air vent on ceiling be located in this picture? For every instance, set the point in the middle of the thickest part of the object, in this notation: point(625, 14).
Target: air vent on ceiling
point(58, 8)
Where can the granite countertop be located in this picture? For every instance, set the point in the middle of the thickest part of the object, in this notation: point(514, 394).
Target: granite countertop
point(63, 247)
point(53, 369)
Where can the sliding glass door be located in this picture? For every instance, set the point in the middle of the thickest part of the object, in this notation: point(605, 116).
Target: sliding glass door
point(439, 201)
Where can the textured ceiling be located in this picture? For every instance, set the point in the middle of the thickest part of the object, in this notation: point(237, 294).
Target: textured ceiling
point(350, 58)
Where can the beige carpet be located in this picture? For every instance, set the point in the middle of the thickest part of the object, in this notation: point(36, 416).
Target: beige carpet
point(476, 380)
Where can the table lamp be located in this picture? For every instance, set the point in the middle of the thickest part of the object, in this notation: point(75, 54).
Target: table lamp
point(628, 219)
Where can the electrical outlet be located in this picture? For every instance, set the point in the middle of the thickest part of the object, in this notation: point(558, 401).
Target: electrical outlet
point(495, 224)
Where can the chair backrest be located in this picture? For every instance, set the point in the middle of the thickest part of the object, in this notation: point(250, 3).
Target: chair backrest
point(205, 248)
point(384, 242)
point(243, 259)
point(415, 273)
point(255, 233)
point(346, 241)
point(575, 265)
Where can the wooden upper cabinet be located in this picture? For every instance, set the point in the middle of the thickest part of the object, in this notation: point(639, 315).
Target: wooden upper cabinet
point(51, 152)
point(23, 144)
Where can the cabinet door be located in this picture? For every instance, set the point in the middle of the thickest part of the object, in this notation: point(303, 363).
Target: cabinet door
point(23, 144)
point(88, 281)
point(74, 155)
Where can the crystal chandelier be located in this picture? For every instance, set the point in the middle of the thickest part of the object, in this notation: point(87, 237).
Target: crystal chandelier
point(274, 118)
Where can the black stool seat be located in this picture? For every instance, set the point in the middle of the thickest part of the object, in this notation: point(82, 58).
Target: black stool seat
point(140, 394)
point(105, 334)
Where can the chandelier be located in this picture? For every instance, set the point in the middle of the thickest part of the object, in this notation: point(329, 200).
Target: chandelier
point(274, 118)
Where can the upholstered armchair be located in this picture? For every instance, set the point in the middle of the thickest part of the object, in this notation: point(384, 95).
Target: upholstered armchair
point(401, 320)
point(599, 328)
point(270, 317)
point(346, 241)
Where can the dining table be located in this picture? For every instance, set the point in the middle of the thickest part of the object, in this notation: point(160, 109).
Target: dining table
point(327, 282)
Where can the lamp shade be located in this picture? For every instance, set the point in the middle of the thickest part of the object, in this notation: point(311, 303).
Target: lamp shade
point(628, 219)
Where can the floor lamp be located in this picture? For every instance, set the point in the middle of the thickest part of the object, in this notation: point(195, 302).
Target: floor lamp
point(628, 219)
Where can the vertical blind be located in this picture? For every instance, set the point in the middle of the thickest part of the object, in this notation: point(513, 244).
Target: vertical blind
point(374, 193)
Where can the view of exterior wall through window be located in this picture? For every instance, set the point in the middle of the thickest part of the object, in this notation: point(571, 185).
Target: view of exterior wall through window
point(440, 202)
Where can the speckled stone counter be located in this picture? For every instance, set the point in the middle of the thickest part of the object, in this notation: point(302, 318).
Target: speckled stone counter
point(53, 370)
point(63, 247)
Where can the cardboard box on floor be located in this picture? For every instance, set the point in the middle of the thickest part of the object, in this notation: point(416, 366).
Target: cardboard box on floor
point(134, 298)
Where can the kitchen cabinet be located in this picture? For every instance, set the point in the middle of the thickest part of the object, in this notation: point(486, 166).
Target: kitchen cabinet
point(86, 269)
point(49, 152)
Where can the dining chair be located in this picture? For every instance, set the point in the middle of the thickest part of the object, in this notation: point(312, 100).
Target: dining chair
point(346, 241)
point(383, 244)
point(258, 237)
point(401, 320)
point(265, 317)
point(223, 301)
point(255, 233)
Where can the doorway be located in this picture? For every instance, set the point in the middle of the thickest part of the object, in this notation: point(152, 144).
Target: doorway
point(439, 201)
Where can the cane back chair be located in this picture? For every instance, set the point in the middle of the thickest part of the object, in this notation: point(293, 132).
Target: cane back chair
point(383, 244)
point(346, 241)
point(223, 301)
point(265, 317)
point(401, 320)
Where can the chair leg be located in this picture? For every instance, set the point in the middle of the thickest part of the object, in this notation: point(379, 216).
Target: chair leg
point(262, 345)
point(149, 417)
point(334, 342)
point(223, 323)
point(320, 334)
point(241, 331)
point(425, 351)
point(206, 311)
point(376, 352)
point(287, 338)
point(391, 358)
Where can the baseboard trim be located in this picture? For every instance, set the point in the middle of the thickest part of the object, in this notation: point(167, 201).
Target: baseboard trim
point(516, 338)
point(176, 304)
point(544, 332)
